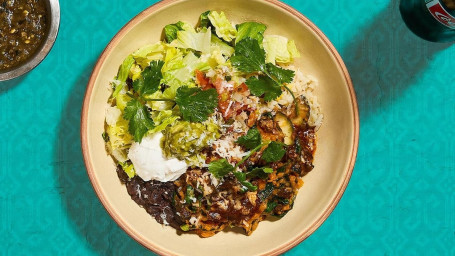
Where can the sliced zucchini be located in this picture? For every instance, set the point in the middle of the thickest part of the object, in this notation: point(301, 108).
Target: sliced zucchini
point(303, 112)
point(286, 127)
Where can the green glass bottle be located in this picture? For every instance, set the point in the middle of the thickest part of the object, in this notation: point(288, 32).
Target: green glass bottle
point(432, 20)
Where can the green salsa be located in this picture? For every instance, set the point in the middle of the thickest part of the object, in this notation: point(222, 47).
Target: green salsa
point(185, 139)
point(23, 27)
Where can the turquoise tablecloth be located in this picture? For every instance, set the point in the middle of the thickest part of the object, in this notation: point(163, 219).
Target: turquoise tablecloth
point(401, 198)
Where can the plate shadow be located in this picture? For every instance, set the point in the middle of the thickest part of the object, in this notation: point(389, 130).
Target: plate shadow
point(385, 58)
point(83, 208)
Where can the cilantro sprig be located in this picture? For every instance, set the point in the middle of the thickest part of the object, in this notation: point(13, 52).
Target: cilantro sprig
point(150, 79)
point(220, 168)
point(249, 57)
point(253, 141)
point(136, 113)
point(139, 120)
point(195, 104)
point(274, 152)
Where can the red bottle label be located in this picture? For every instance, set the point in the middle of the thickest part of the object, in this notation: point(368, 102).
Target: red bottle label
point(440, 14)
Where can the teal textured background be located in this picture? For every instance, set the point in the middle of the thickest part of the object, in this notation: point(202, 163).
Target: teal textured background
point(400, 200)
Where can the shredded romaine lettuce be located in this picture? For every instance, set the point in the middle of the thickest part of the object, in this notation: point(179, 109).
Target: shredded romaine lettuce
point(170, 31)
point(223, 27)
point(128, 169)
point(119, 139)
point(148, 53)
point(173, 59)
point(122, 74)
point(198, 41)
point(122, 99)
point(182, 76)
point(253, 30)
point(279, 49)
point(163, 119)
point(135, 72)
point(222, 47)
point(125, 68)
point(204, 21)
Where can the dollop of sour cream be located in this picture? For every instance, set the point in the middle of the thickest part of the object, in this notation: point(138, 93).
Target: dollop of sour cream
point(151, 164)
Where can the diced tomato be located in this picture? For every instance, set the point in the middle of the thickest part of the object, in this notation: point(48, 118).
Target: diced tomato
point(242, 88)
point(218, 85)
point(252, 118)
point(225, 108)
point(203, 81)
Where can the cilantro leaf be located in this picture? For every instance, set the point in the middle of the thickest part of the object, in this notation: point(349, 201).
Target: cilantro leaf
point(264, 86)
point(241, 177)
point(139, 120)
point(249, 56)
point(274, 152)
point(259, 172)
point(220, 168)
point(149, 81)
point(195, 104)
point(280, 74)
point(250, 140)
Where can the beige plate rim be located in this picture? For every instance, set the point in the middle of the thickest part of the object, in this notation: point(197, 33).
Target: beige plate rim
point(84, 114)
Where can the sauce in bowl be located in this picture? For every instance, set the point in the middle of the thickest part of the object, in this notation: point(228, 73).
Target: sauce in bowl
point(23, 28)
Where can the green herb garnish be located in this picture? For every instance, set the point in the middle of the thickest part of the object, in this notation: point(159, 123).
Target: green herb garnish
point(241, 177)
point(220, 168)
point(249, 57)
point(149, 81)
point(261, 172)
point(264, 86)
point(274, 152)
point(195, 104)
point(139, 120)
point(251, 140)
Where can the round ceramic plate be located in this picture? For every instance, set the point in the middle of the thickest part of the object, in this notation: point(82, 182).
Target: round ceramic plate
point(337, 138)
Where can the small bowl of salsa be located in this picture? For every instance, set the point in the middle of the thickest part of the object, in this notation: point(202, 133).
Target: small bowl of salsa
point(28, 29)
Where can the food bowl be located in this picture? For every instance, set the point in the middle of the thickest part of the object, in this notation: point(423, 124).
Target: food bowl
point(53, 23)
point(337, 138)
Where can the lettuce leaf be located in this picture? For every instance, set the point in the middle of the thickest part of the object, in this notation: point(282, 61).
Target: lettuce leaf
point(198, 41)
point(218, 45)
point(135, 72)
point(173, 59)
point(119, 138)
point(279, 49)
point(125, 68)
point(223, 27)
point(128, 169)
point(253, 30)
point(170, 31)
point(163, 119)
point(148, 53)
point(183, 76)
point(204, 21)
point(122, 74)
